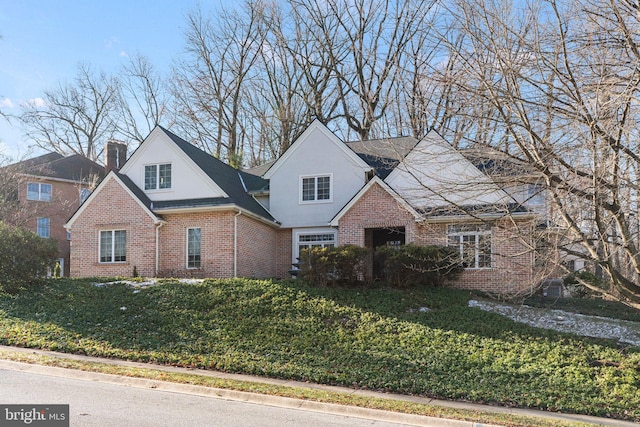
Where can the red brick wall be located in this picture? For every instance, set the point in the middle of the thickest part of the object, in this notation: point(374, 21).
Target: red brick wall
point(65, 200)
point(375, 209)
point(216, 245)
point(113, 209)
point(257, 248)
point(284, 253)
point(512, 258)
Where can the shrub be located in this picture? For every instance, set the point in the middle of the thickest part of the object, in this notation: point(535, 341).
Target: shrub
point(25, 258)
point(341, 265)
point(415, 265)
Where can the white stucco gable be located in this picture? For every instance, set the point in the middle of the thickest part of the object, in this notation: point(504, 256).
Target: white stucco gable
point(188, 181)
point(435, 174)
point(319, 155)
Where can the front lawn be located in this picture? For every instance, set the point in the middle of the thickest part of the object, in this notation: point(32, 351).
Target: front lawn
point(425, 342)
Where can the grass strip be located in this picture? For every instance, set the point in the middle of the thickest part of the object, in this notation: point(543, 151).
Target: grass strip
point(322, 396)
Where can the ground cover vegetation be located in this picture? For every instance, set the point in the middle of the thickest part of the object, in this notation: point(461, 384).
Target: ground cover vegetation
point(424, 341)
point(25, 258)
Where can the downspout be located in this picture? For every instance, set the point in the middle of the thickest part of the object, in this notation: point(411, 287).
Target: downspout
point(235, 243)
point(158, 226)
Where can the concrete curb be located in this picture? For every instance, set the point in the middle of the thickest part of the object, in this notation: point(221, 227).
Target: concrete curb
point(242, 396)
point(286, 402)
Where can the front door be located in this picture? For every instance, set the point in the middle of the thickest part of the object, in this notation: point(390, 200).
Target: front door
point(393, 236)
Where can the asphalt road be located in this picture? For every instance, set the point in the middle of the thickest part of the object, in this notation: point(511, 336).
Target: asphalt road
point(95, 403)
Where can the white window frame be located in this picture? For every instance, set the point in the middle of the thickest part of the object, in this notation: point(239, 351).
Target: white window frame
point(477, 231)
point(157, 176)
point(318, 243)
point(113, 247)
point(315, 195)
point(199, 249)
point(42, 196)
point(45, 228)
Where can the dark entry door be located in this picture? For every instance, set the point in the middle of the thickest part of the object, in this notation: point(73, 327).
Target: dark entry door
point(393, 236)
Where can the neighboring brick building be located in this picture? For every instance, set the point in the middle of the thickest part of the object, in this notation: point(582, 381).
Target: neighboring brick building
point(173, 210)
point(51, 187)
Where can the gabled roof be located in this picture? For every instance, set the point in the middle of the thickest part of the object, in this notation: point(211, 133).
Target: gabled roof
point(383, 155)
point(495, 163)
point(235, 183)
point(315, 126)
point(374, 181)
point(128, 185)
point(56, 166)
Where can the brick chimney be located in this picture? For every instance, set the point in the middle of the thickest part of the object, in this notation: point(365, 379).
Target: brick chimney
point(116, 155)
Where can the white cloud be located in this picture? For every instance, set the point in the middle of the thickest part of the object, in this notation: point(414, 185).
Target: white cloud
point(124, 54)
point(38, 102)
point(6, 103)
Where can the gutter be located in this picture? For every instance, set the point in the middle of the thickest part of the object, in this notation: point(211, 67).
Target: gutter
point(456, 218)
point(235, 243)
point(159, 225)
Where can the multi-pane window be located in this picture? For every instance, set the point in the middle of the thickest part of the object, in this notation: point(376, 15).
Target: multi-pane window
point(315, 240)
point(113, 246)
point(157, 177)
point(473, 242)
point(194, 247)
point(43, 227)
point(39, 191)
point(316, 188)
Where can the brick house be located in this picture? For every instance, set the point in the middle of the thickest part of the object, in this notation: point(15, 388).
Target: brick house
point(173, 210)
point(50, 188)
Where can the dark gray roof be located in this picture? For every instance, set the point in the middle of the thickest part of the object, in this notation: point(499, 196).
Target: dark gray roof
point(383, 155)
point(235, 183)
point(57, 166)
point(135, 190)
point(496, 163)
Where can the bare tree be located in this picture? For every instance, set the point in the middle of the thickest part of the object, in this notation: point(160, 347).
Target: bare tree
point(563, 79)
point(365, 42)
point(75, 117)
point(143, 100)
point(211, 86)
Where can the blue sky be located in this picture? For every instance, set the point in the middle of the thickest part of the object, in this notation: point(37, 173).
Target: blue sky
point(43, 41)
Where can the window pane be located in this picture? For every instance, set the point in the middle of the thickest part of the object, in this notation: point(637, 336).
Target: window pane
point(43, 227)
point(324, 188)
point(150, 177)
point(194, 244)
point(33, 191)
point(308, 188)
point(105, 246)
point(120, 246)
point(45, 192)
point(484, 251)
point(469, 251)
point(165, 176)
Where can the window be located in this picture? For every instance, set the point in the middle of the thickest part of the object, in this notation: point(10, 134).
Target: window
point(473, 242)
point(113, 246)
point(194, 256)
point(43, 228)
point(314, 240)
point(84, 194)
point(39, 191)
point(315, 188)
point(157, 177)
point(535, 195)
